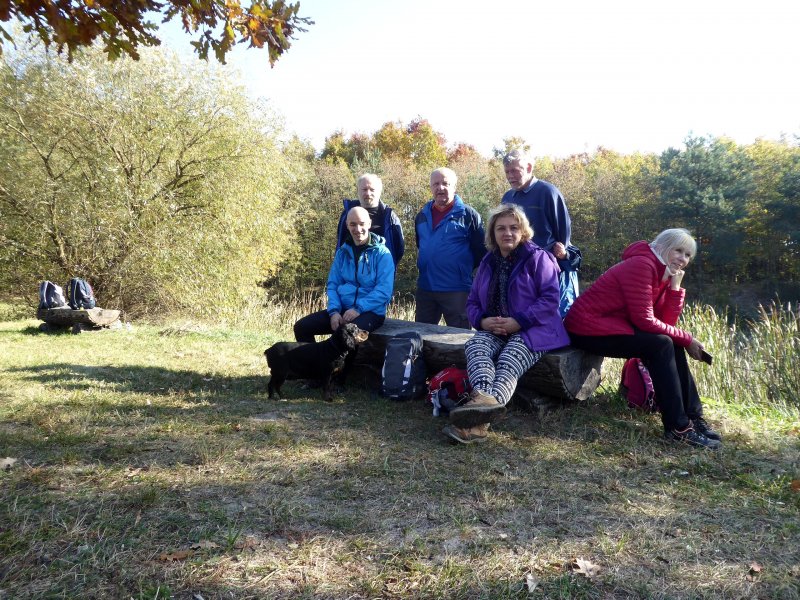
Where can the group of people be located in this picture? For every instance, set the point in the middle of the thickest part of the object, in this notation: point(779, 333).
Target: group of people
point(515, 282)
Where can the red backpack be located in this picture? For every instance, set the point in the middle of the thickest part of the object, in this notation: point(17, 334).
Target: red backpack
point(637, 387)
point(449, 388)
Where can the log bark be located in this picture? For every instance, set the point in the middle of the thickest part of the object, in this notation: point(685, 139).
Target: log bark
point(100, 317)
point(566, 374)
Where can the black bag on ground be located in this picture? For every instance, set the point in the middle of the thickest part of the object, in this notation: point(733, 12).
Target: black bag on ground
point(80, 294)
point(403, 374)
point(51, 295)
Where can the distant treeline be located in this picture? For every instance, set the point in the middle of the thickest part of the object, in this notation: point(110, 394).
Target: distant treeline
point(169, 189)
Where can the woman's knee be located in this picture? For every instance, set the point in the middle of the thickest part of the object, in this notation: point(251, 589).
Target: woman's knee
point(661, 346)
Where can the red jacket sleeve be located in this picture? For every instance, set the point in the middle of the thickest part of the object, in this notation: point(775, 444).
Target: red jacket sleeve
point(640, 293)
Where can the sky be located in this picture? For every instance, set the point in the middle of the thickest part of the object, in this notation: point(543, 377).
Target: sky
point(568, 76)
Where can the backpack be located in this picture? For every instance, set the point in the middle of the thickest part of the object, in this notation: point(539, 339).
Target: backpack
point(51, 295)
point(448, 389)
point(637, 387)
point(80, 294)
point(403, 373)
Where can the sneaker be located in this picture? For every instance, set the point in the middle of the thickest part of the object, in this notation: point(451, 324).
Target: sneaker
point(701, 426)
point(479, 409)
point(691, 437)
point(467, 436)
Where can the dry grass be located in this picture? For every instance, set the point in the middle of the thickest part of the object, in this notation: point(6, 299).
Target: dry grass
point(151, 465)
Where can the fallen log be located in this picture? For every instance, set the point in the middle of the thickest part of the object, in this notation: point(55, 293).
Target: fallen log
point(79, 320)
point(566, 374)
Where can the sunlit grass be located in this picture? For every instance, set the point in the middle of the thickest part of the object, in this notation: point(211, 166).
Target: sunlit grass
point(151, 464)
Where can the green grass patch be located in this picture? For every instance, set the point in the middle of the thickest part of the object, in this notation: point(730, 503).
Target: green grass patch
point(150, 464)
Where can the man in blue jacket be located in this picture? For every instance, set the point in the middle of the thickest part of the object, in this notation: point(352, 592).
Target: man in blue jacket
point(450, 239)
point(385, 221)
point(360, 283)
point(547, 213)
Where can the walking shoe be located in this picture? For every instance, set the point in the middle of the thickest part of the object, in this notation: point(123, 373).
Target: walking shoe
point(467, 436)
point(701, 426)
point(692, 437)
point(480, 408)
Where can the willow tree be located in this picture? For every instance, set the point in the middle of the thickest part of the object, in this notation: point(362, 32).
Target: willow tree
point(157, 181)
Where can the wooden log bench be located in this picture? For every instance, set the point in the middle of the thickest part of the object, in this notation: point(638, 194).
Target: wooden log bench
point(79, 320)
point(563, 375)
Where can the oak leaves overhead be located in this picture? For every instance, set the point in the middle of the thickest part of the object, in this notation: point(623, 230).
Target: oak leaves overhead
point(124, 26)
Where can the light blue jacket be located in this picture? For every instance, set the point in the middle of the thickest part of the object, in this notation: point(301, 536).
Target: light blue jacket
point(367, 286)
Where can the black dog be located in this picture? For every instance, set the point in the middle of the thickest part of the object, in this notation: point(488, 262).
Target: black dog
point(318, 360)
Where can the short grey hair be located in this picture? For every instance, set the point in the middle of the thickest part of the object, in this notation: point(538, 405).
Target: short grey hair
point(448, 173)
point(517, 155)
point(376, 181)
point(669, 239)
point(507, 210)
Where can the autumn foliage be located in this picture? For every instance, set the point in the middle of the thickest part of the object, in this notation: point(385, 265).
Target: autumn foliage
point(123, 26)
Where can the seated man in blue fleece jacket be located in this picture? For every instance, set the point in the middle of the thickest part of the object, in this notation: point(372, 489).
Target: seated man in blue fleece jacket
point(360, 283)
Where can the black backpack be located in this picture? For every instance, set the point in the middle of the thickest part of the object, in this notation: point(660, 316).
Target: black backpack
point(51, 295)
point(403, 374)
point(80, 294)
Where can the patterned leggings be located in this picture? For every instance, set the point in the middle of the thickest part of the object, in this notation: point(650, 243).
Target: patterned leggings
point(498, 378)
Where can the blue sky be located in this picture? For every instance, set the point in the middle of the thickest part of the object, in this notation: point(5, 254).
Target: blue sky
point(567, 76)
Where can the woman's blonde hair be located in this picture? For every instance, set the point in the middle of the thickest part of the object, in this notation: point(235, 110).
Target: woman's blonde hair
point(507, 210)
point(669, 239)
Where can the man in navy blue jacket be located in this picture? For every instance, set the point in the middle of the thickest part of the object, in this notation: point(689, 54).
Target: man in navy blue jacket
point(384, 221)
point(450, 239)
point(548, 215)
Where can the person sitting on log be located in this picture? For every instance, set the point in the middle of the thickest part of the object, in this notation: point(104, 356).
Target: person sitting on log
point(360, 284)
point(513, 304)
point(632, 311)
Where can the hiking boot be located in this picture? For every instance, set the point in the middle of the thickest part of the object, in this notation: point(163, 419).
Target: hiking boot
point(467, 436)
point(479, 409)
point(691, 437)
point(701, 426)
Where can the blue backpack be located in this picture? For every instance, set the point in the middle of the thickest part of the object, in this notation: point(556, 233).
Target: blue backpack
point(51, 295)
point(80, 294)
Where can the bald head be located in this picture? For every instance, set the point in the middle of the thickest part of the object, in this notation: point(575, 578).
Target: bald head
point(358, 224)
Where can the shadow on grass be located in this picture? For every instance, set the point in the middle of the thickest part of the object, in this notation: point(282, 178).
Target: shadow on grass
point(156, 381)
point(360, 498)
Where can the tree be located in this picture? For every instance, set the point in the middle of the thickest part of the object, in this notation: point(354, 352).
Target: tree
point(509, 144)
point(705, 188)
point(122, 26)
point(159, 183)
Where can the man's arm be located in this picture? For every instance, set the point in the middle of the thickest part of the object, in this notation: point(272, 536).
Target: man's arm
point(477, 237)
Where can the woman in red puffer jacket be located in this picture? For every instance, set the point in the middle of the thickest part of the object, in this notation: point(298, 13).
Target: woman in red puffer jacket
point(632, 311)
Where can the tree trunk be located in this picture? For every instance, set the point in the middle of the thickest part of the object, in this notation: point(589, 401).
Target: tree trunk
point(566, 374)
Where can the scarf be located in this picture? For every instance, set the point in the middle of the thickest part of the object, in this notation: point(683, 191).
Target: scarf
point(498, 284)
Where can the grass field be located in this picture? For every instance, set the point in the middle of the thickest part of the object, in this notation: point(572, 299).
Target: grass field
point(149, 464)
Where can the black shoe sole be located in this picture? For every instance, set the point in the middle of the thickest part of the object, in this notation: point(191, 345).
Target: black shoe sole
point(715, 445)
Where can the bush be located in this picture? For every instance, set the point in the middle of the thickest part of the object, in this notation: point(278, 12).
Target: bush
point(157, 181)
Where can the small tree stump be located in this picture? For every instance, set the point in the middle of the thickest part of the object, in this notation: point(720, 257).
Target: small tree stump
point(566, 374)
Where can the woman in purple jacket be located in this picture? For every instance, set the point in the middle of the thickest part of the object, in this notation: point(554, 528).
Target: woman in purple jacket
point(513, 304)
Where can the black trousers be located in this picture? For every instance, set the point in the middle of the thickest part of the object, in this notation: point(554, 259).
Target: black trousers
point(319, 323)
point(431, 306)
point(673, 383)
